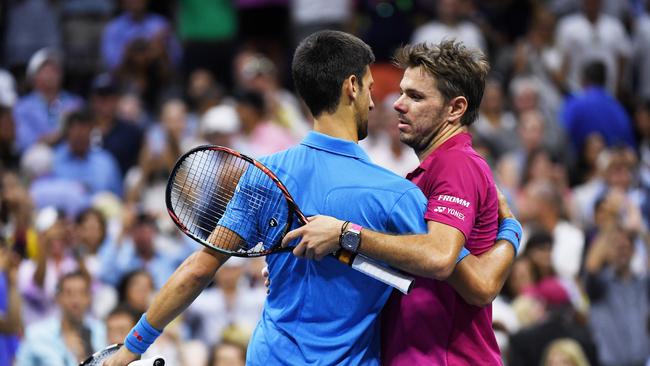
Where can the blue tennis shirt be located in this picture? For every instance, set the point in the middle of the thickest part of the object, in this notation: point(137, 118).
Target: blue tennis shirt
point(323, 312)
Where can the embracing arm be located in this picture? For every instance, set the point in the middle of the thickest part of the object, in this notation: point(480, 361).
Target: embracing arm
point(479, 279)
point(431, 255)
point(193, 275)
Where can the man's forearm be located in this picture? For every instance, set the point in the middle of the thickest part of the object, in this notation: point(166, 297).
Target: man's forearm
point(184, 286)
point(431, 255)
point(479, 279)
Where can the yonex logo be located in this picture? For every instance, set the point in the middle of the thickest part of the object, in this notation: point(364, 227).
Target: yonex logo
point(452, 199)
point(273, 222)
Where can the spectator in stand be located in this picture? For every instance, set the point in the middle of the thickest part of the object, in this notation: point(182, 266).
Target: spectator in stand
point(220, 125)
point(591, 35)
point(9, 155)
point(135, 291)
point(496, 126)
point(47, 189)
point(564, 352)
point(259, 135)
point(16, 211)
point(230, 302)
point(39, 115)
point(146, 70)
point(595, 110)
point(76, 159)
point(163, 144)
point(525, 96)
point(10, 304)
point(30, 26)
point(543, 205)
point(136, 23)
point(38, 278)
point(449, 24)
point(137, 249)
point(383, 144)
point(68, 338)
point(258, 73)
point(208, 31)
point(120, 138)
point(641, 48)
point(118, 323)
point(620, 300)
point(536, 56)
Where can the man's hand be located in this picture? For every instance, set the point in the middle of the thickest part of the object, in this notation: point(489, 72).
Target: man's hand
point(320, 237)
point(122, 358)
point(504, 209)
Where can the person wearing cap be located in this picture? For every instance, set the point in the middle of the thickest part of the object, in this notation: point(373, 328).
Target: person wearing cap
point(120, 138)
point(219, 125)
point(39, 114)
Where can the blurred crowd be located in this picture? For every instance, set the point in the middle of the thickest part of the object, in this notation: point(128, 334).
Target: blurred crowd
point(98, 98)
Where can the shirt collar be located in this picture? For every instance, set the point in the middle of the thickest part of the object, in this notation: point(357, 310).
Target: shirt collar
point(464, 138)
point(334, 145)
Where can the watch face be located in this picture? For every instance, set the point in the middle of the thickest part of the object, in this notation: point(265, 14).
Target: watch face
point(350, 241)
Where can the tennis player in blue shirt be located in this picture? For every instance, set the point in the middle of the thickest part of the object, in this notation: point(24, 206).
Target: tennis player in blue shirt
point(320, 312)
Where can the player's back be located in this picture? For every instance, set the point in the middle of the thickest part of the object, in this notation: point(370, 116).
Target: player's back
point(323, 312)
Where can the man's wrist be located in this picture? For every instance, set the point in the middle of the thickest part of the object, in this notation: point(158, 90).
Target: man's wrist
point(141, 336)
point(510, 230)
point(350, 238)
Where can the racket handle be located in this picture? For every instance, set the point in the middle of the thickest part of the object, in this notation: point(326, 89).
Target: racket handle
point(387, 275)
point(153, 361)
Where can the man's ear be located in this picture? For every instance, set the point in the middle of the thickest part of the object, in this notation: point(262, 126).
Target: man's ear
point(351, 87)
point(457, 108)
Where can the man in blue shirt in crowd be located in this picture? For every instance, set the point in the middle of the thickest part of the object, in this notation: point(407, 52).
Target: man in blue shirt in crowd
point(39, 114)
point(596, 111)
point(77, 160)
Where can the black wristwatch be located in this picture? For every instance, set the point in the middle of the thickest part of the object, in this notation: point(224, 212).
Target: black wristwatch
point(351, 238)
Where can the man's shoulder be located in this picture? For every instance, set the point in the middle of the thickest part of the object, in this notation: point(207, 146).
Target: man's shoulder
point(46, 329)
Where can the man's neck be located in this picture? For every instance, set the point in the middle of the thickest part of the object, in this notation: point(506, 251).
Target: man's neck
point(443, 136)
point(339, 124)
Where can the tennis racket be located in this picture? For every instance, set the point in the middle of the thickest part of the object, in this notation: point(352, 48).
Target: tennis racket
point(98, 358)
point(234, 204)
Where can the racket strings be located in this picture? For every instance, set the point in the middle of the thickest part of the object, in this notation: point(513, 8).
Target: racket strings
point(213, 190)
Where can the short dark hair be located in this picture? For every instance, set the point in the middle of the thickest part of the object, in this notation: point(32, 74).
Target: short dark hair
point(322, 62)
point(81, 117)
point(458, 71)
point(70, 275)
point(594, 73)
point(251, 98)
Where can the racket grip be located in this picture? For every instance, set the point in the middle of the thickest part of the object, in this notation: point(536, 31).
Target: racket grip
point(153, 361)
point(387, 275)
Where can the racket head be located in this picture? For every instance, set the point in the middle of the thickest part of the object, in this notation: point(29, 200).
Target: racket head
point(98, 358)
point(230, 202)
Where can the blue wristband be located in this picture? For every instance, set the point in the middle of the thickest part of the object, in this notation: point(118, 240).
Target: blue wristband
point(510, 230)
point(141, 336)
point(463, 253)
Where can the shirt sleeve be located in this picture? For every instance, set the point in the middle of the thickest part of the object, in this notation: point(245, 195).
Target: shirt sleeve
point(257, 212)
point(407, 215)
point(453, 193)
